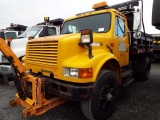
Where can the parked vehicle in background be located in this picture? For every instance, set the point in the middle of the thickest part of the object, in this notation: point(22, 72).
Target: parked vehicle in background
point(18, 44)
point(12, 31)
point(156, 24)
point(156, 47)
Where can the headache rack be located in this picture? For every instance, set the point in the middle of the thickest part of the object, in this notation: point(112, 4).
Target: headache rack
point(56, 22)
point(141, 45)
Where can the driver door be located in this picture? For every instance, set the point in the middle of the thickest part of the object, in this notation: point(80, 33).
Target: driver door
point(121, 41)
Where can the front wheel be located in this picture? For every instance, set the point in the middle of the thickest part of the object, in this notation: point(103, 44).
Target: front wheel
point(104, 97)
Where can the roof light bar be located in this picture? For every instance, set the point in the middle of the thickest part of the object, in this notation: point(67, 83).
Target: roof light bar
point(100, 5)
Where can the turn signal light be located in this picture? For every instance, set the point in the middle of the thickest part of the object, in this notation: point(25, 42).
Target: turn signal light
point(85, 73)
point(85, 32)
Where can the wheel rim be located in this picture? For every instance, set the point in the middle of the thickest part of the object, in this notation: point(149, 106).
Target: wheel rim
point(106, 97)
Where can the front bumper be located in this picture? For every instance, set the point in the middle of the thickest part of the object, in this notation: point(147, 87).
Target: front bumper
point(5, 69)
point(69, 90)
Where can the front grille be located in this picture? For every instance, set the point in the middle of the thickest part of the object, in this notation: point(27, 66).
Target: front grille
point(42, 53)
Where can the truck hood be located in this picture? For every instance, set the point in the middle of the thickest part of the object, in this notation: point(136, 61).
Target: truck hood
point(54, 37)
point(18, 43)
point(71, 37)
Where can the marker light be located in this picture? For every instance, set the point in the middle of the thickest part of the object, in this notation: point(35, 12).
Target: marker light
point(100, 5)
point(46, 18)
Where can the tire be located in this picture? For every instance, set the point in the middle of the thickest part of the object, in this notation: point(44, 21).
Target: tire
point(143, 76)
point(104, 97)
point(153, 59)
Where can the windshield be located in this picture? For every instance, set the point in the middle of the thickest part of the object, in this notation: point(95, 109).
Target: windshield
point(30, 32)
point(12, 35)
point(98, 23)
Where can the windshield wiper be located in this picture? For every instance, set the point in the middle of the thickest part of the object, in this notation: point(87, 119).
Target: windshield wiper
point(67, 32)
point(19, 37)
point(101, 32)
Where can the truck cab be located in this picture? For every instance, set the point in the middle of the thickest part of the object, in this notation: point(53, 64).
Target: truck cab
point(18, 44)
point(8, 34)
point(13, 31)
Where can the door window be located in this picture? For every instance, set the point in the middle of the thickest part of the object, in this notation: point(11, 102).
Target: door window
point(12, 35)
point(51, 31)
point(119, 27)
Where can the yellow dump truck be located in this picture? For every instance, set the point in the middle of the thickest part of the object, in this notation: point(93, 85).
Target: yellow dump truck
point(97, 52)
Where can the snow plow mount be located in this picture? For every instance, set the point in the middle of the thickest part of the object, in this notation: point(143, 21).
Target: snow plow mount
point(37, 104)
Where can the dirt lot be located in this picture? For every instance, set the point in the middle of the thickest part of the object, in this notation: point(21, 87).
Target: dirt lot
point(139, 101)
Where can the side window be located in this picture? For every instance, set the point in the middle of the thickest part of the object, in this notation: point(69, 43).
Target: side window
point(52, 31)
point(70, 29)
point(119, 27)
point(12, 35)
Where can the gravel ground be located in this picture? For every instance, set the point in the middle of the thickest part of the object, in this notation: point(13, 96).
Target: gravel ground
point(139, 101)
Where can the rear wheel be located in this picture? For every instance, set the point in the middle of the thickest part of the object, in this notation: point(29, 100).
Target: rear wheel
point(104, 97)
point(143, 76)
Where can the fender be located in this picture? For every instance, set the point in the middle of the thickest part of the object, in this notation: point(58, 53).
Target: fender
point(100, 58)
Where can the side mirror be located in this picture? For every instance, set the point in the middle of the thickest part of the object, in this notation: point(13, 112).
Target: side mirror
point(2, 35)
point(30, 37)
point(155, 14)
point(137, 19)
point(19, 32)
point(45, 31)
point(86, 39)
point(9, 40)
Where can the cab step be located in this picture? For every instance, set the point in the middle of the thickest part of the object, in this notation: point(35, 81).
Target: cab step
point(127, 81)
point(126, 73)
point(127, 77)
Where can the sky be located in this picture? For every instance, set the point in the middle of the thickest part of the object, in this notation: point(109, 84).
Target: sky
point(31, 12)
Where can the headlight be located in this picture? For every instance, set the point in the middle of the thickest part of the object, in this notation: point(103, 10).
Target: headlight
point(78, 72)
point(73, 72)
